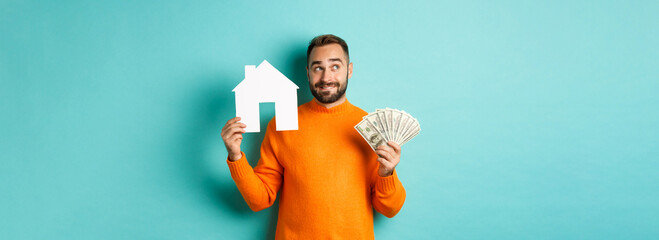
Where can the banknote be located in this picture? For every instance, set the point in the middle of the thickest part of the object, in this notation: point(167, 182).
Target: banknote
point(370, 133)
point(386, 125)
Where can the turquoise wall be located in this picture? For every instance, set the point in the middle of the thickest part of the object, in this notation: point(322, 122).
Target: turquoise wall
point(539, 120)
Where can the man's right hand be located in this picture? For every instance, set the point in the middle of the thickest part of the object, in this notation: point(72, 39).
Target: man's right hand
point(232, 135)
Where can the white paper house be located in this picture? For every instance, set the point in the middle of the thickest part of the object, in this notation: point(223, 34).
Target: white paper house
point(266, 84)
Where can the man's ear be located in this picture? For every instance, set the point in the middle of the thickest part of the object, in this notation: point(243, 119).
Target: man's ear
point(349, 70)
point(307, 73)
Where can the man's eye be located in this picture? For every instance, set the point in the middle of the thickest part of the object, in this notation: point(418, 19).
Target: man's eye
point(317, 69)
point(335, 67)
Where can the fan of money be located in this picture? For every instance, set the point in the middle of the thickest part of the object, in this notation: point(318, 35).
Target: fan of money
point(386, 125)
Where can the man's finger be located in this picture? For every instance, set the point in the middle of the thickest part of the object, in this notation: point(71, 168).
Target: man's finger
point(384, 154)
point(383, 162)
point(236, 129)
point(395, 146)
point(388, 149)
point(226, 129)
point(233, 120)
point(229, 123)
point(235, 137)
point(236, 125)
point(384, 147)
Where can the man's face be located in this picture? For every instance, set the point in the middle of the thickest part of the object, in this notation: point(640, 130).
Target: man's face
point(328, 72)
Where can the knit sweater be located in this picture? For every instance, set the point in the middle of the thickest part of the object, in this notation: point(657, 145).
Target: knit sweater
point(327, 174)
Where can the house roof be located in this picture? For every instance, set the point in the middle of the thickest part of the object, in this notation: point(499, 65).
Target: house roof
point(265, 76)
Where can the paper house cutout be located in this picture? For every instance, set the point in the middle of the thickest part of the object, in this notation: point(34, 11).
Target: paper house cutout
point(266, 84)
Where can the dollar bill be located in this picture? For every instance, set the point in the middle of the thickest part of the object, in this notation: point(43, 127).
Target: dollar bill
point(386, 125)
point(370, 134)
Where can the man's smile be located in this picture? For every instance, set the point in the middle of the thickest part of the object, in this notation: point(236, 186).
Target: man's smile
point(327, 86)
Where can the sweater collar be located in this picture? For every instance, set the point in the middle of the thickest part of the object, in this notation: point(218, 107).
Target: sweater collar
point(343, 107)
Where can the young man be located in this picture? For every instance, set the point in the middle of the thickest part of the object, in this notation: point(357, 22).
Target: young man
point(330, 179)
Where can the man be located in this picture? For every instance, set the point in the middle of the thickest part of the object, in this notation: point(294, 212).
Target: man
point(330, 179)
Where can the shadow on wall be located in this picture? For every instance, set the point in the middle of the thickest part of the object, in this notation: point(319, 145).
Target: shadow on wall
point(296, 72)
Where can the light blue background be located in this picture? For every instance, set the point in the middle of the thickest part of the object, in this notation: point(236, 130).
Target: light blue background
point(539, 120)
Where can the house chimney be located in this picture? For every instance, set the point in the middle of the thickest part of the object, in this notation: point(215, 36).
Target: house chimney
point(249, 71)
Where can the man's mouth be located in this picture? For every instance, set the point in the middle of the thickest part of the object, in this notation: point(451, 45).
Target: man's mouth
point(329, 86)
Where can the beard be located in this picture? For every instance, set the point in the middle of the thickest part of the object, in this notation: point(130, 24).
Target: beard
point(329, 98)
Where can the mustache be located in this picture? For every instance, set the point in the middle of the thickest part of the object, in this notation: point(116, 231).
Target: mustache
point(332, 84)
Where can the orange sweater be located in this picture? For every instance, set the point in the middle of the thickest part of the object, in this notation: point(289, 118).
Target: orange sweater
point(327, 175)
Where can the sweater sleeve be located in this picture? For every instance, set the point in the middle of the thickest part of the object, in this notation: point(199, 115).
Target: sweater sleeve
point(388, 194)
point(259, 185)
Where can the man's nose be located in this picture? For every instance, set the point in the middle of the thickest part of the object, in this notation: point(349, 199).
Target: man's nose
point(327, 75)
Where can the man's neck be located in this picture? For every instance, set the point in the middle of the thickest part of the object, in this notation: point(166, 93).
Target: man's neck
point(331, 105)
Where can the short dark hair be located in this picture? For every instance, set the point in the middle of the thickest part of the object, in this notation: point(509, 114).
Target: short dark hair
point(326, 39)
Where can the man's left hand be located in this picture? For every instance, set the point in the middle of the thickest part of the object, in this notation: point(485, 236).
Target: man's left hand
point(389, 156)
